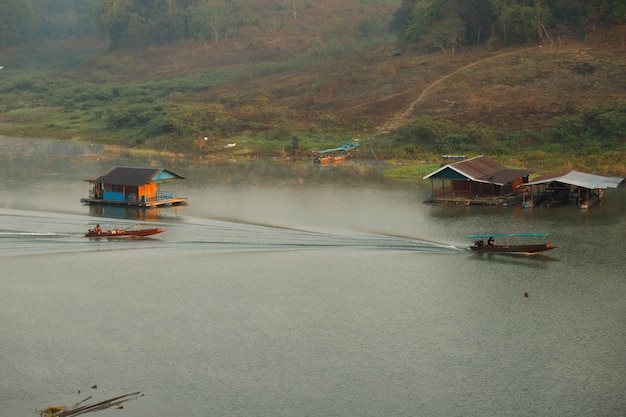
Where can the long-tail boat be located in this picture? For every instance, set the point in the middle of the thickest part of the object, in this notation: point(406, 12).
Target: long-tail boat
point(338, 154)
point(133, 231)
point(510, 244)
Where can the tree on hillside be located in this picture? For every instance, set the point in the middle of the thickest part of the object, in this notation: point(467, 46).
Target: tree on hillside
point(140, 23)
point(589, 12)
point(509, 21)
point(444, 24)
point(568, 11)
point(214, 19)
point(423, 15)
point(16, 22)
point(402, 17)
point(112, 18)
point(520, 21)
point(605, 12)
point(58, 19)
point(477, 17)
point(445, 34)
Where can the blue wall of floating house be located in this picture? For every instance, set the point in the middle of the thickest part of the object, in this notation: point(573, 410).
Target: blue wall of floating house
point(109, 195)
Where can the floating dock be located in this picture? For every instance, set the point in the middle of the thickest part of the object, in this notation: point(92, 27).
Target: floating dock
point(166, 202)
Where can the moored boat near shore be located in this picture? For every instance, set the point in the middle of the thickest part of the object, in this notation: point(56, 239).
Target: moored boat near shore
point(330, 159)
point(338, 154)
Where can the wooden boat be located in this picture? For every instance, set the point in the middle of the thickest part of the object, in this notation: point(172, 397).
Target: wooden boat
point(510, 246)
point(338, 154)
point(132, 231)
point(330, 159)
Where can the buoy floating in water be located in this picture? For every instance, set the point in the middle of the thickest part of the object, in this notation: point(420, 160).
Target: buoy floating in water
point(526, 294)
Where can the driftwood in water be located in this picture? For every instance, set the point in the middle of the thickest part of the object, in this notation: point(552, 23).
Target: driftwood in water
point(78, 409)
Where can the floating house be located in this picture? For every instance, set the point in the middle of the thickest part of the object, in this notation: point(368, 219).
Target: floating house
point(586, 190)
point(477, 181)
point(139, 187)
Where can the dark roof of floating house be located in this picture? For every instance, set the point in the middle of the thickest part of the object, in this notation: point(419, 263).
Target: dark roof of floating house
point(478, 169)
point(137, 176)
point(580, 179)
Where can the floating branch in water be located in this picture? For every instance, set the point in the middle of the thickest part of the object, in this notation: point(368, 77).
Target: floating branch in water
point(79, 409)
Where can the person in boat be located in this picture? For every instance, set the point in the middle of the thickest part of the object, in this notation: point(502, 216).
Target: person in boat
point(491, 242)
point(480, 243)
point(97, 229)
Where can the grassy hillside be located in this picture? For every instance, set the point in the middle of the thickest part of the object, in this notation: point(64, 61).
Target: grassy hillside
point(329, 76)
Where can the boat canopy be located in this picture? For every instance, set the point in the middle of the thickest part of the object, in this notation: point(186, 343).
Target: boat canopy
point(345, 147)
point(507, 235)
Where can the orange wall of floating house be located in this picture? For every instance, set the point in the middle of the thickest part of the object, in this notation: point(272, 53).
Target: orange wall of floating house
point(148, 190)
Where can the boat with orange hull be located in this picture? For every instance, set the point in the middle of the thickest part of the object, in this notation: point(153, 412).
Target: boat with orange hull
point(338, 154)
point(132, 231)
point(328, 159)
point(511, 246)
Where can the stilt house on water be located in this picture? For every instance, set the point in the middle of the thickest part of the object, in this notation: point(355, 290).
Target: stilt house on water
point(477, 181)
point(139, 187)
point(586, 190)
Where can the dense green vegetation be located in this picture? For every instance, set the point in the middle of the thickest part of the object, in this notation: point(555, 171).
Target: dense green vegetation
point(592, 139)
point(297, 97)
point(26, 21)
point(146, 23)
point(596, 129)
point(442, 24)
point(445, 24)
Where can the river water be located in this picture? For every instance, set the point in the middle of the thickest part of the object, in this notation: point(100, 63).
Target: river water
point(286, 289)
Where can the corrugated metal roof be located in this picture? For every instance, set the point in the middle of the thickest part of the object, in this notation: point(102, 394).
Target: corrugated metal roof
point(479, 169)
point(136, 176)
point(581, 179)
point(509, 175)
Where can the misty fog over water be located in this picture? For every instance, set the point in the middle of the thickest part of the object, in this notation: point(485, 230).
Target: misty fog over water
point(288, 289)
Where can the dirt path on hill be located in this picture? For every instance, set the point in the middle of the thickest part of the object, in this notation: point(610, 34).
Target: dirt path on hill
point(400, 119)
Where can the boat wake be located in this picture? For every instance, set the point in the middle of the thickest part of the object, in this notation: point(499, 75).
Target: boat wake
point(21, 234)
point(211, 236)
point(241, 236)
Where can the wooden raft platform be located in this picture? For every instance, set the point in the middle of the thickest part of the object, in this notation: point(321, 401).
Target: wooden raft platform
point(166, 202)
point(508, 200)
